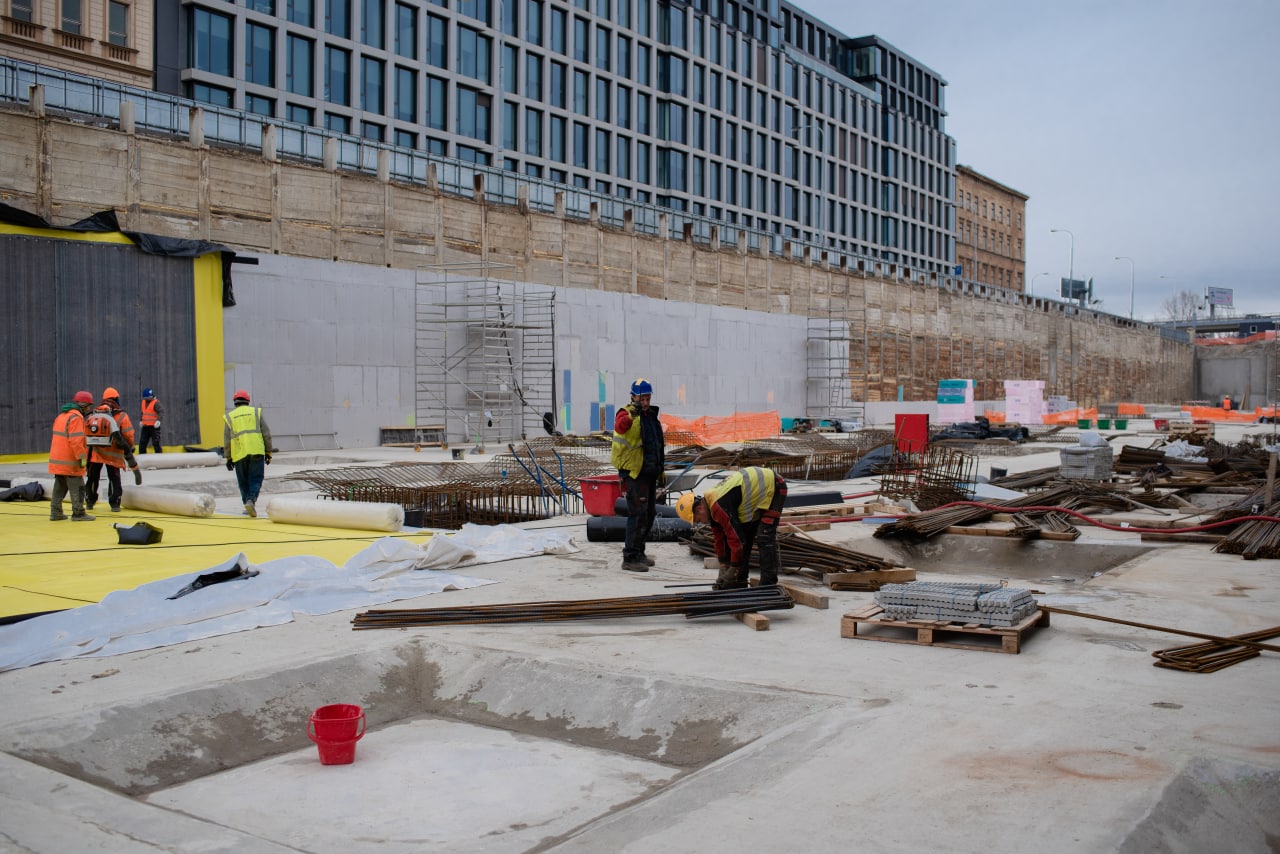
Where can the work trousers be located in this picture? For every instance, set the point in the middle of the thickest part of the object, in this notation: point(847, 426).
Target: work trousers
point(114, 490)
point(64, 485)
point(762, 533)
point(150, 435)
point(642, 507)
point(250, 472)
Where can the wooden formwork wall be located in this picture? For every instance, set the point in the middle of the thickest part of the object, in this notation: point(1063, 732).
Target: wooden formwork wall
point(912, 334)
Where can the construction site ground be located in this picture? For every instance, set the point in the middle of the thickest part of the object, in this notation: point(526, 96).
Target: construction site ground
point(648, 734)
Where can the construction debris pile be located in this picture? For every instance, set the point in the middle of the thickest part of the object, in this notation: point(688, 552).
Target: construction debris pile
point(956, 602)
point(688, 605)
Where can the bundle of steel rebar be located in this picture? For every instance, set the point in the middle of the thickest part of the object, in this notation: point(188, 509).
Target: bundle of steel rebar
point(1255, 539)
point(798, 550)
point(921, 526)
point(690, 605)
point(1212, 655)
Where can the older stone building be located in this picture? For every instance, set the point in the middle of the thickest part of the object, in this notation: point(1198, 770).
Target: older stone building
point(990, 231)
point(107, 39)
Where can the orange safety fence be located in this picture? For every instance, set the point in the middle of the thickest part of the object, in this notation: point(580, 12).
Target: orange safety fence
point(1070, 416)
point(1215, 413)
point(1265, 335)
point(994, 417)
point(716, 429)
point(1131, 409)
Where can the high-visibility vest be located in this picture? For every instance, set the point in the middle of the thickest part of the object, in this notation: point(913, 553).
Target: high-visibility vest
point(98, 427)
point(149, 414)
point(246, 432)
point(68, 451)
point(628, 451)
point(757, 485)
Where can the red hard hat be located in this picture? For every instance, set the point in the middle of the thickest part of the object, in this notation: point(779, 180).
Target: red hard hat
point(242, 395)
point(82, 397)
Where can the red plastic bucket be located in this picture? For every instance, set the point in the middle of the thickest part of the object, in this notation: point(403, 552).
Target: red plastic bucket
point(335, 729)
point(599, 494)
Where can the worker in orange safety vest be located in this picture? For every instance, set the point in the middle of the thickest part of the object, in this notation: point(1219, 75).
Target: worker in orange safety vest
point(150, 422)
point(68, 457)
point(110, 438)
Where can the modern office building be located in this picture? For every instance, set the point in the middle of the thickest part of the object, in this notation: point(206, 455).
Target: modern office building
point(990, 231)
point(753, 114)
point(107, 39)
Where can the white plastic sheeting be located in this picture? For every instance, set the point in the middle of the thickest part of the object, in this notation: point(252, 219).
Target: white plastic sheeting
point(145, 618)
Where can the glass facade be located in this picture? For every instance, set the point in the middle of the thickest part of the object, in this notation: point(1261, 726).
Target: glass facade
point(752, 112)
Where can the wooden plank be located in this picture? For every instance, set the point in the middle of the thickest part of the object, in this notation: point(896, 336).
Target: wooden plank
point(806, 597)
point(883, 576)
point(754, 621)
point(940, 633)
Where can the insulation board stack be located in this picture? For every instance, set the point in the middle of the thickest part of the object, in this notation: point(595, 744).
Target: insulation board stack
point(955, 401)
point(985, 604)
point(1058, 403)
point(1082, 462)
point(1024, 401)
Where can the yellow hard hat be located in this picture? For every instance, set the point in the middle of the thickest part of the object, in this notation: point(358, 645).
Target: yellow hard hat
point(684, 507)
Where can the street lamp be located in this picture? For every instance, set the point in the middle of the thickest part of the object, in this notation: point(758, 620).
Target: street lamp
point(1071, 258)
point(1032, 289)
point(1130, 260)
point(822, 202)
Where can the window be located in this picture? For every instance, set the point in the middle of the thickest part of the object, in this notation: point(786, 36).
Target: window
point(478, 9)
point(642, 159)
point(473, 114)
point(406, 139)
point(117, 23)
point(622, 163)
point(624, 107)
point(510, 126)
point(603, 54)
point(337, 18)
point(337, 76)
point(299, 65)
point(406, 95)
point(580, 145)
point(623, 66)
point(301, 12)
point(215, 95)
point(510, 69)
point(473, 54)
point(371, 22)
point(437, 42)
point(72, 16)
point(406, 31)
point(581, 91)
point(602, 99)
point(556, 86)
point(581, 40)
point(510, 10)
point(300, 114)
point(556, 126)
point(559, 25)
point(266, 7)
point(260, 105)
point(20, 10)
point(533, 76)
point(533, 22)
point(259, 55)
point(371, 86)
point(437, 106)
point(533, 132)
point(337, 123)
point(210, 42)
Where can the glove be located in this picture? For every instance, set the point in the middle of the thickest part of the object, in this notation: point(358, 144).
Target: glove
point(137, 478)
point(268, 459)
point(157, 425)
point(230, 465)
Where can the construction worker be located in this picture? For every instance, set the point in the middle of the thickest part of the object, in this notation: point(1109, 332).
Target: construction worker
point(743, 509)
point(150, 422)
point(68, 457)
point(246, 444)
point(109, 434)
point(639, 456)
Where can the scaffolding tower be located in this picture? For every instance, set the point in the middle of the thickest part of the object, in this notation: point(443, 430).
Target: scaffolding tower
point(484, 354)
point(836, 354)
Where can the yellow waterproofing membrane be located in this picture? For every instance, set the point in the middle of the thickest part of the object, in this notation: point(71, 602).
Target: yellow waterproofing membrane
point(207, 271)
point(50, 566)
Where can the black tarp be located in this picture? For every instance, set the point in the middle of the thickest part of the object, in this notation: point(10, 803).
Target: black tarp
point(152, 244)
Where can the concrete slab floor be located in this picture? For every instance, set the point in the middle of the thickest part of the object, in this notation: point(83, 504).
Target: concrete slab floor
point(777, 740)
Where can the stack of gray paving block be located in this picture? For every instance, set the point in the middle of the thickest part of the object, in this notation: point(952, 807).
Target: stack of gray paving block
point(981, 603)
point(1081, 462)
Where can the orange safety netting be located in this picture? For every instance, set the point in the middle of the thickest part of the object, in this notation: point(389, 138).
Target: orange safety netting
point(1265, 335)
point(1070, 416)
point(1130, 409)
point(1215, 413)
point(715, 429)
point(994, 417)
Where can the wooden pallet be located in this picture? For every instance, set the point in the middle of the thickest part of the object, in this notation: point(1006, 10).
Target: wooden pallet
point(939, 632)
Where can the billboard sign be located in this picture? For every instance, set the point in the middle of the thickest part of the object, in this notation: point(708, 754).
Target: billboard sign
point(1220, 296)
point(1074, 289)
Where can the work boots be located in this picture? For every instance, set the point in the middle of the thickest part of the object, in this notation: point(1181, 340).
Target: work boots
point(770, 556)
point(82, 517)
point(728, 579)
point(635, 565)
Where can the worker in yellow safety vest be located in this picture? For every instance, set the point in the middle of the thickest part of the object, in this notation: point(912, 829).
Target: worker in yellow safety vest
point(639, 456)
point(246, 444)
point(743, 510)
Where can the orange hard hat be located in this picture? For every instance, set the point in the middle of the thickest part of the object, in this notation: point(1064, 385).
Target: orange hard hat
point(109, 392)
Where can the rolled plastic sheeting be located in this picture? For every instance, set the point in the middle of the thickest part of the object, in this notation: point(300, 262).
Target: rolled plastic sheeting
point(361, 515)
point(171, 501)
point(613, 529)
point(178, 461)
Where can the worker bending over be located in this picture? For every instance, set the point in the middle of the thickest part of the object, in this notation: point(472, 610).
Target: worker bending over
point(744, 508)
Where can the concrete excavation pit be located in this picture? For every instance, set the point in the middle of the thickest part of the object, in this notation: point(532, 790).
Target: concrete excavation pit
point(499, 751)
point(1008, 557)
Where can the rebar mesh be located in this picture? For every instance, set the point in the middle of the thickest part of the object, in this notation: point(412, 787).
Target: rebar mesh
point(930, 479)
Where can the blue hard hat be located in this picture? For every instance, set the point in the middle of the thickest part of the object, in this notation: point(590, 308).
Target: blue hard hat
point(641, 386)
point(147, 394)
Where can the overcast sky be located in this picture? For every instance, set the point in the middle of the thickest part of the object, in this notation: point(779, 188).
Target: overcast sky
point(1147, 128)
